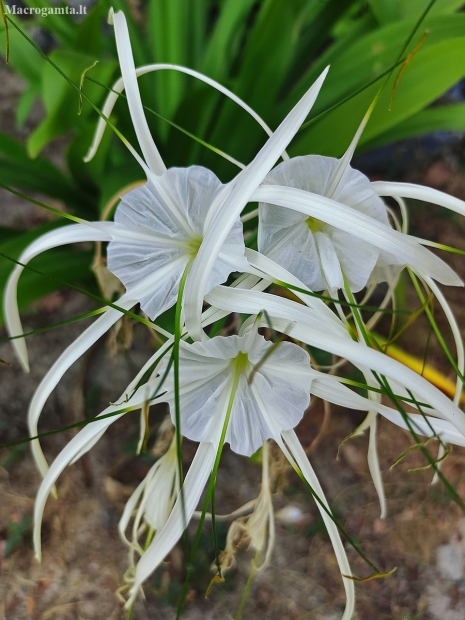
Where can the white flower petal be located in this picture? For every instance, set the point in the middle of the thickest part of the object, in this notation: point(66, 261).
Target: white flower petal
point(131, 505)
point(455, 329)
point(304, 465)
point(66, 359)
point(329, 262)
point(342, 166)
point(419, 192)
point(278, 273)
point(373, 464)
point(76, 446)
point(404, 249)
point(118, 88)
point(128, 71)
point(225, 215)
point(97, 231)
point(165, 540)
point(224, 298)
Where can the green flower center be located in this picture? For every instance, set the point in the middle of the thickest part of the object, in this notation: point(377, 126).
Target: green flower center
point(193, 246)
point(314, 224)
point(240, 363)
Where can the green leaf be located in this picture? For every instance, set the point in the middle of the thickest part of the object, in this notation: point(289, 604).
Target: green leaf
point(7, 233)
point(89, 38)
point(346, 32)
point(25, 103)
point(368, 57)
point(169, 30)
point(392, 10)
point(265, 61)
point(28, 65)
point(385, 10)
point(89, 175)
point(225, 39)
point(40, 175)
point(61, 100)
point(198, 18)
point(444, 118)
point(313, 27)
point(432, 71)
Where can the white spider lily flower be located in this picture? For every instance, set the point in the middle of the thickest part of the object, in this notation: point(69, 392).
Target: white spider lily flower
point(320, 254)
point(152, 501)
point(168, 221)
point(241, 390)
point(272, 389)
point(323, 251)
point(331, 231)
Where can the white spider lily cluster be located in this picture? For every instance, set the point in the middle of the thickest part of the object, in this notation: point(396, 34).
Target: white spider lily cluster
point(322, 226)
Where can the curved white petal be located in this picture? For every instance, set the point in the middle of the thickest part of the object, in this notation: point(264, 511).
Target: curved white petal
point(307, 470)
point(128, 71)
point(72, 449)
point(441, 428)
point(118, 88)
point(456, 334)
point(330, 389)
point(342, 166)
point(66, 359)
point(329, 262)
point(419, 192)
point(224, 298)
point(294, 320)
point(225, 215)
point(84, 342)
point(402, 249)
point(132, 502)
point(279, 274)
point(75, 233)
point(180, 516)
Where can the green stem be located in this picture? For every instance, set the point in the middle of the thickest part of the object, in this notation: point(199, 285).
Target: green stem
point(208, 496)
